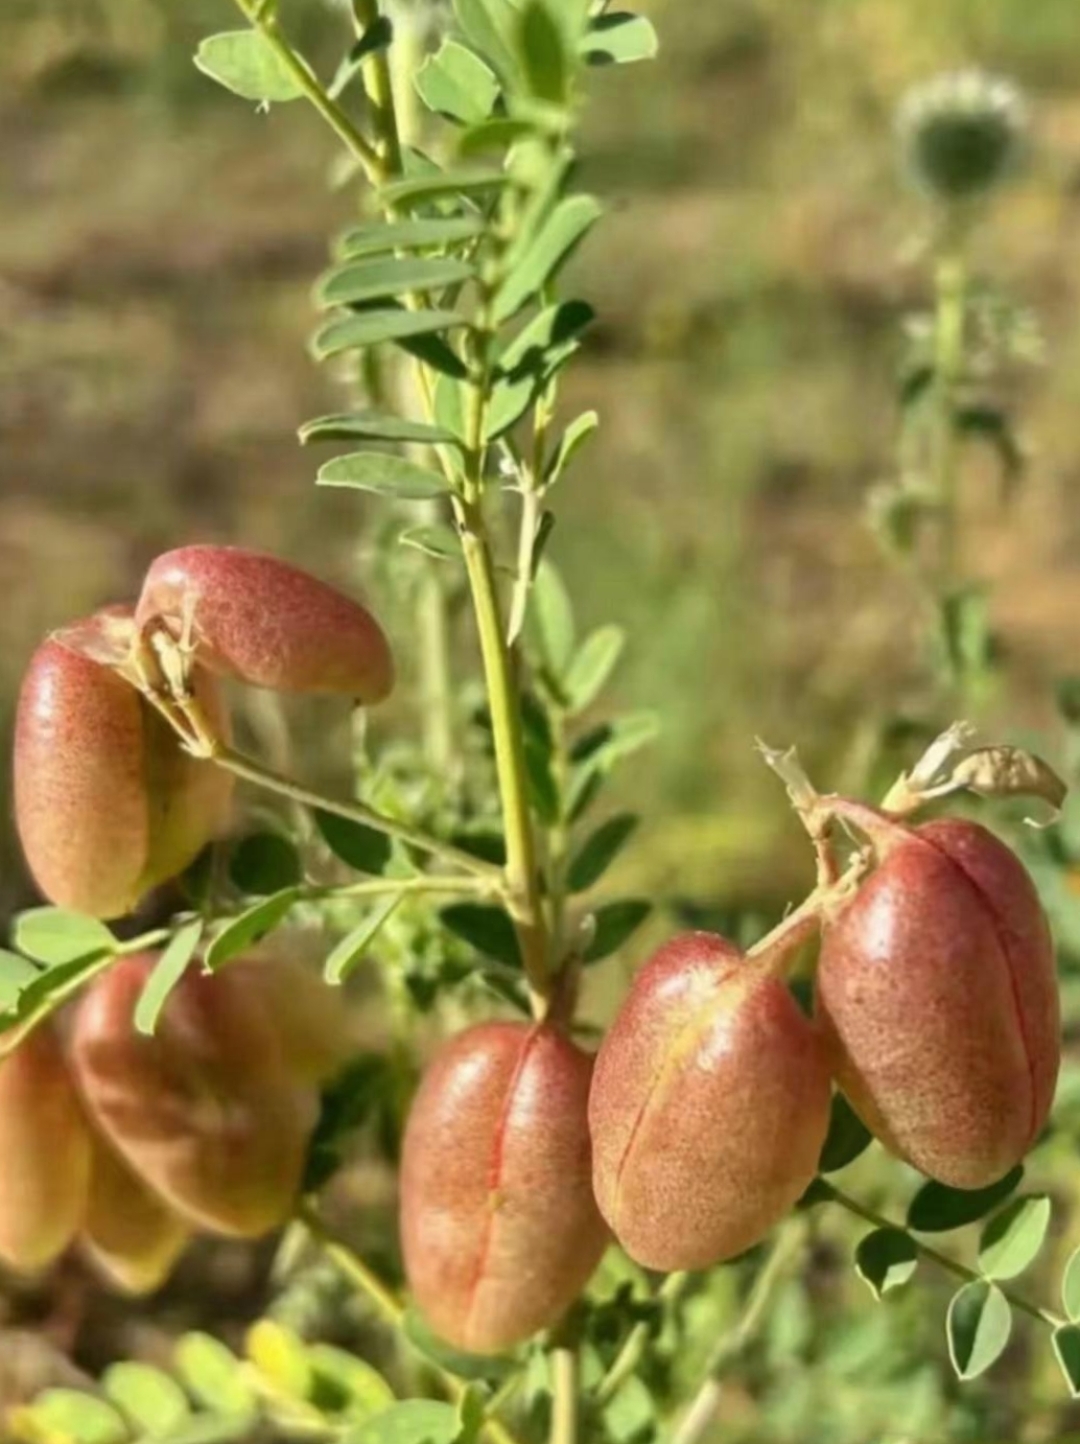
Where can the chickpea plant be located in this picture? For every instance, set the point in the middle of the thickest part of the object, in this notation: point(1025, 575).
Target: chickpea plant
point(196, 1078)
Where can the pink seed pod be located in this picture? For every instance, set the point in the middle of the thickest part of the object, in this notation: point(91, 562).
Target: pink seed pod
point(315, 1026)
point(709, 1106)
point(258, 619)
point(45, 1147)
point(204, 1112)
point(937, 986)
point(130, 1235)
point(107, 803)
point(499, 1227)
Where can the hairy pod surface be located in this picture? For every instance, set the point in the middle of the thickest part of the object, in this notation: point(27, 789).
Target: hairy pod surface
point(107, 803)
point(45, 1153)
point(204, 1112)
point(709, 1106)
point(130, 1235)
point(499, 1227)
point(937, 985)
point(267, 623)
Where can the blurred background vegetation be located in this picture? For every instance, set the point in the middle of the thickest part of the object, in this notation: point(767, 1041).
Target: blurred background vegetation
point(157, 246)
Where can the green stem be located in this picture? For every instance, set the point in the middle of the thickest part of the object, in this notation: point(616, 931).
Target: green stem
point(265, 23)
point(733, 1346)
point(564, 1395)
point(637, 1341)
point(950, 287)
point(388, 1306)
point(379, 84)
point(251, 771)
point(860, 1210)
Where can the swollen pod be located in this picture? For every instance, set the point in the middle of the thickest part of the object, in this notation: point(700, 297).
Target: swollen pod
point(45, 1153)
point(709, 1106)
point(937, 987)
point(499, 1227)
point(258, 619)
point(130, 1235)
point(107, 803)
point(204, 1112)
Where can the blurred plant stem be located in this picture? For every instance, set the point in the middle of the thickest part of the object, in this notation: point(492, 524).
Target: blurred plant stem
point(785, 1249)
point(637, 1341)
point(389, 1307)
point(950, 292)
point(564, 1395)
point(828, 1192)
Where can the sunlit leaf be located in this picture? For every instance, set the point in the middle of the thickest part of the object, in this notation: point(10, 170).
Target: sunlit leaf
point(244, 62)
point(455, 82)
point(618, 38)
point(346, 955)
point(417, 235)
point(417, 1421)
point(592, 666)
point(437, 540)
point(978, 1326)
point(369, 328)
point(214, 1376)
point(153, 1401)
point(373, 426)
point(1011, 1240)
point(885, 1259)
point(68, 1416)
point(386, 276)
point(573, 439)
point(561, 233)
point(384, 474)
point(250, 927)
point(165, 975)
point(419, 190)
point(55, 935)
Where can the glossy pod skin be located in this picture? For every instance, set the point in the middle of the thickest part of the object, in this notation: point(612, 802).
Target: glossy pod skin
point(45, 1148)
point(937, 986)
point(499, 1227)
point(267, 623)
point(107, 803)
point(205, 1111)
point(130, 1235)
point(709, 1106)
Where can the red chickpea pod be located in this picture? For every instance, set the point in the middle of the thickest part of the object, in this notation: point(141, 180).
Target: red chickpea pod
point(499, 1227)
point(709, 1105)
point(107, 802)
point(937, 986)
point(204, 1112)
point(45, 1148)
point(130, 1235)
point(258, 619)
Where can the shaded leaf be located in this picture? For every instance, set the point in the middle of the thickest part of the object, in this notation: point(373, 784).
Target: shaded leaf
point(936, 1208)
point(361, 1391)
point(573, 439)
point(244, 62)
point(1066, 1342)
point(531, 359)
point(550, 620)
point(497, 134)
point(978, 1326)
point(363, 848)
point(250, 927)
point(369, 328)
point(600, 850)
point(456, 83)
point(438, 540)
point(592, 666)
point(165, 975)
point(1011, 1240)
point(1070, 1286)
point(373, 426)
point(264, 862)
point(419, 190)
point(488, 929)
point(615, 923)
point(541, 54)
point(848, 1137)
point(384, 474)
point(386, 276)
point(885, 1259)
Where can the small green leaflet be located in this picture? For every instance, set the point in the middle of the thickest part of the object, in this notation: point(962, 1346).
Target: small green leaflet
point(55, 935)
point(369, 328)
point(150, 1399)
point(419, 190)
point(978, 1326)
point(344, 957)
point(1011, 1240)
point(386, 276)
point(1070, 1287)
point(415, 235)
point(438, 540)
point(15, 974)
point(281, 1358)
point(384, 474)
point(541, 53)
point(72, 1417)
point(592, 666)
point(250, 927)
point(167, 972)
point(487, 929)
point(247, 64)
point(456, 83)
point(264, 862)
point(497, 134)
point(488, 25)
point(550, 621)
point(615, 922)
point(215, 1376)
point(364, 1387)
point(416, 1421)
point(532, 358)
point(847, 1139)
point(600, 850)
point(619, 38)
point(573, 439)
point(373, 426)
point(564, 229)
point(885, 1259)
point(363, 848)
